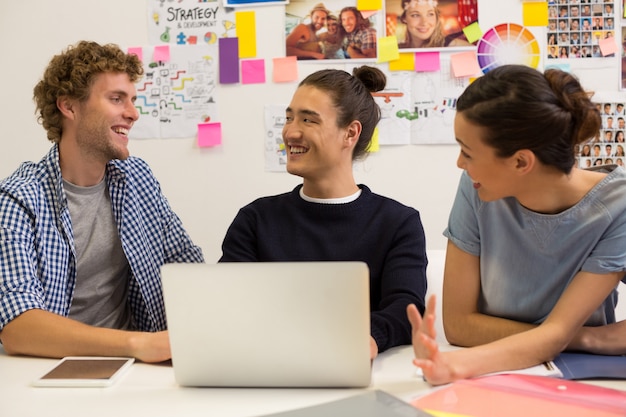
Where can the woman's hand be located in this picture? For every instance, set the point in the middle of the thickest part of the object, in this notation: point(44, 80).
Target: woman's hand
point(435, 367)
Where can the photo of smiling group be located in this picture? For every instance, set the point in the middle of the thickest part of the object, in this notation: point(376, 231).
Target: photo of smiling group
point(330, 30)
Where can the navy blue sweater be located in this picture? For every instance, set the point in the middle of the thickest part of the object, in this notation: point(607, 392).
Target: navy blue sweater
point(379, 231)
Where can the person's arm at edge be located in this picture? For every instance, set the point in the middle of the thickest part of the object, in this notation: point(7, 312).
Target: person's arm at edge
point(239, 244)
point(463, 324)
point(354, 53)
point(403, 282)
point(609, 339)
point(291, 43)
point(41, 333)
point(177, 244)
point(521, 350)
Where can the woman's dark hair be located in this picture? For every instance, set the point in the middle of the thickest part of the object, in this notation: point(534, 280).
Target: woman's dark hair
point(352, 97)
point(521, 108)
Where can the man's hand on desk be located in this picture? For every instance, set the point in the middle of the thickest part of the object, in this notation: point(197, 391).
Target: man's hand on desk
point(373, 348)
point(151, 347)
point(41, 333)
point(603, 340)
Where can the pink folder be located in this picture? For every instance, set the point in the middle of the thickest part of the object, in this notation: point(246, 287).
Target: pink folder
point(516, 395)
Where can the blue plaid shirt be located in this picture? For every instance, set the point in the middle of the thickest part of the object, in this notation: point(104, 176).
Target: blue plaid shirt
point(37, 254)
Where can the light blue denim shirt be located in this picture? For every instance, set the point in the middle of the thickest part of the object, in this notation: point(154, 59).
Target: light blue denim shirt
point(527, 259)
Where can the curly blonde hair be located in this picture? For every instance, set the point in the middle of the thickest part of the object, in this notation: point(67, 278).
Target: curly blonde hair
point(72, 73)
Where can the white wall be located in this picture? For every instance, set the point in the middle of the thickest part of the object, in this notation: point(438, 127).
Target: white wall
point(207, 186)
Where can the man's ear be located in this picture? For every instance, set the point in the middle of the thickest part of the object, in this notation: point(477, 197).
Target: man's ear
point(66, 107)
point(353, 132)
point(524, 161)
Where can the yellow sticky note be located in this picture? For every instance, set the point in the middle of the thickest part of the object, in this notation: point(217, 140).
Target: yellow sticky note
point(535, 13)
point(473, 32)
point(369, 4)
point(245, 26)
point(387, 49)
point(374, 143)
point(405, 62)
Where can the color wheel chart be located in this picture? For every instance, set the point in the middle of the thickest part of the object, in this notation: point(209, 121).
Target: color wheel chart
point(507, 43)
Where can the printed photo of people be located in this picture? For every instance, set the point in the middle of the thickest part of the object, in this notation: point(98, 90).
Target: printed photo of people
point(609, 144)
point(576, 27)
point(421, 24)
point(330, 30)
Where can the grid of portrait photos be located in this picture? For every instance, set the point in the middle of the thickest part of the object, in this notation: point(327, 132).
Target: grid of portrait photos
point(576, 27)
point(608, 146)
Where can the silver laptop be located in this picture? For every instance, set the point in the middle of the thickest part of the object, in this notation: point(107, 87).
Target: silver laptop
point(269, 324)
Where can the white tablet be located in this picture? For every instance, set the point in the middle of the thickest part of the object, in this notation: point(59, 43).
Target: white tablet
point(84, 371)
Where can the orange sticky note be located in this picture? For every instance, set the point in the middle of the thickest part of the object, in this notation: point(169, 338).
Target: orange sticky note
point(464, 64)
point(161, 53)
point(405, 62)
point(285, 69)
point(245, 24)
point(535, 13)
point(608, 46)
point(209, 134)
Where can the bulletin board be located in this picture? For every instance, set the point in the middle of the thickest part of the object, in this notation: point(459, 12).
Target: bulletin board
point(214, 140)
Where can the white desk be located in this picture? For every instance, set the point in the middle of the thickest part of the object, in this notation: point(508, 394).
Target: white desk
point(150, 390)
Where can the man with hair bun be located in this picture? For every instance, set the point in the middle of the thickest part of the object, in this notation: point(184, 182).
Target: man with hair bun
point(329, 217)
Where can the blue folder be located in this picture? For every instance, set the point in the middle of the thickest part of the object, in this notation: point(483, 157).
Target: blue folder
point(589, 366)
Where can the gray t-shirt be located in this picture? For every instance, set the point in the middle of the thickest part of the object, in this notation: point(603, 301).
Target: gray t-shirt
point(527, 259)
point(102, 270)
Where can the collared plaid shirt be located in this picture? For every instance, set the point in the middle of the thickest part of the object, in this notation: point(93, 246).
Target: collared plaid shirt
point(361, 39)
point(37, 254)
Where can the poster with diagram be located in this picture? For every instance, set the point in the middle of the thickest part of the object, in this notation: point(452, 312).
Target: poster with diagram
point(189, 22)
point(275, 152)
point(419, 107)
point(176, 92)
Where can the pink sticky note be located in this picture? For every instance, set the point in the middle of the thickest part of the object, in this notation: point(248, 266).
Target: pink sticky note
point(285, 69)
point(464, 64)
point(253, 71)
point(608, 46)
point(136, 51)
point(161, 53)
point(209, 134)
point(427, 61)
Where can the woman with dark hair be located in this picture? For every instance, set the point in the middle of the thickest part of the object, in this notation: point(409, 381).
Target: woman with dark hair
point(359, 38)
point(535, 244)
point(329, 124)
